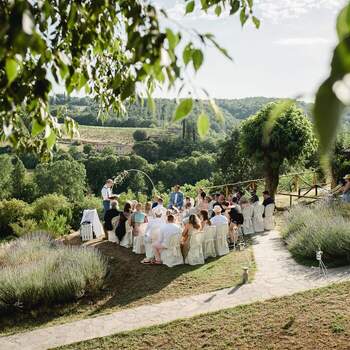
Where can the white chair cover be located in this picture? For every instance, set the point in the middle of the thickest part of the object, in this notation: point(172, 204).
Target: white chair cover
point(208, 242)
point(247, 226)
point(258, 220)
point(138, 244)
point(221, 244)
point(112, 237)
point(90, 215)
point(269, 220)
point(149, 240)
point(172, 256)
point(127, 240)
point(195, 254)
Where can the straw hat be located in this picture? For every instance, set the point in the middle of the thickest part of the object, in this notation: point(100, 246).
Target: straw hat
point(346, 177)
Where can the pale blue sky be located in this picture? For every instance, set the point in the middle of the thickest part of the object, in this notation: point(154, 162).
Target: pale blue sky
point(288, 56)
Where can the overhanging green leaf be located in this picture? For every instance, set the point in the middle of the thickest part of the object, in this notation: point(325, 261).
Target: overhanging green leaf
point(183, 109)
point(256, 21)
point(11, 68)
point(197, 58)
point(37, 127)
point(203, 124)
point(217, 111)
point(190, 6)
point(343, 22)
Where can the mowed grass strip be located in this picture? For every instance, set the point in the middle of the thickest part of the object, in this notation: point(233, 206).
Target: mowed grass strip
point(317, 319)
point(130, 284)
point(114, 134)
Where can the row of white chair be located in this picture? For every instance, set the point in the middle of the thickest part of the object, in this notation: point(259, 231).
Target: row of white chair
point(211, 242)
point(253, 220)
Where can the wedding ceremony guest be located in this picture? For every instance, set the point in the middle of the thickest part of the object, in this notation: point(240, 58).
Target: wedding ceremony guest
point(346, 189)
point(267, 199)
point(193, 226)
point(188, 202)
point(160, 206)
point(218, 219)
point(120, 231)
point(110, 214)
point(153, 227)
point(205, 221)
point(176, 198)
point(204, 204)
point(236, 220)
point(106, 193)
point(148, 209)
point(211, 204)
point(155, 201)
point(221, 203)
point(137, 219)
point(200, 196)
point(166, 232)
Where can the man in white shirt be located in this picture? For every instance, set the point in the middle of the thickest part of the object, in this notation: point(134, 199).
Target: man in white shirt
point(166, 232)
point(106, 194)
point(218, 219)
point(159, 207)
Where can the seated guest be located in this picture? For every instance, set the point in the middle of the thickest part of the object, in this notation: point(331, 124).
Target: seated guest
point(137, 219)
point(176, 198)
point(221, 203)
point(160, 206)
point(155, 201)
point(203, 203)
point(211, 201)
point(200, 196)
point(193, 226)
point(188, 202)
point(236, 220)
point(123, 218)
point(204, 217)
point(254, 197)
point(148, 209)
point(166, 232)
point(110, 214)
point(267, 200)
point(218, 219)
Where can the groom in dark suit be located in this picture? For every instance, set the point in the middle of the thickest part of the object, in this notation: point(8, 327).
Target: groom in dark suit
point(176, 198)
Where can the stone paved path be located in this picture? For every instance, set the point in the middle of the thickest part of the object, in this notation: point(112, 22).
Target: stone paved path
point(277, 275)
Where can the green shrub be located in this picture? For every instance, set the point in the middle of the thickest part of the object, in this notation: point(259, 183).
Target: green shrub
point(52, 202)
point(12, 211)
point(55, 225)
point(35, 270)
point(319, 227)
point(24, 226)
point(88, 202)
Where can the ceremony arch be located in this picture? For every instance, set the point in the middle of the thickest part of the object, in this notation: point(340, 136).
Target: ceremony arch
point(122, 176)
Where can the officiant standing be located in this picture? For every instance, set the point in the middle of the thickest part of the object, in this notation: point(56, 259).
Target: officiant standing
point(176, 198)
point(107, 195)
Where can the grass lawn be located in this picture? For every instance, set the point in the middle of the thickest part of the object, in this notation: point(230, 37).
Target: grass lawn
point(113, 134)
point(131, 284)
point(318, 319)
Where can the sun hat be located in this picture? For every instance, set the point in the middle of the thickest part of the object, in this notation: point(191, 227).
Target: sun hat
point(346, 177)
point(217, 209)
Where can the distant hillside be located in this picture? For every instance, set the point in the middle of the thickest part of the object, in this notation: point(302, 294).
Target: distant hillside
point(84, 111)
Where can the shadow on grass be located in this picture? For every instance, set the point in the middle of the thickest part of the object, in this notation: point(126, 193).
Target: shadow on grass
point(129, 280)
